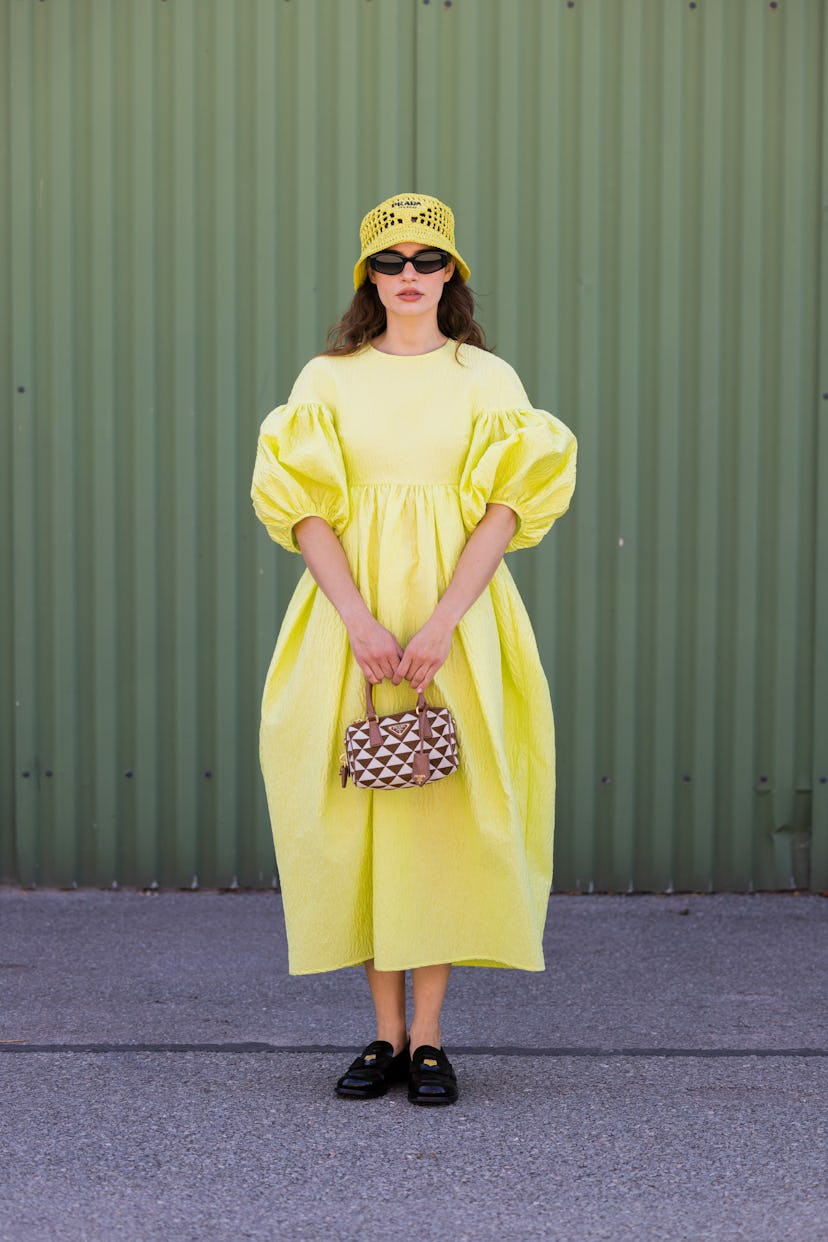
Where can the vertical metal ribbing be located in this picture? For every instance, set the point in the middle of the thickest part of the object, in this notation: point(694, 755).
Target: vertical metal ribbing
point(140, 284)
point(819, 764)
point(23, 857)
point(8, 387)
point(705, 492)
point(621, 410)
point(269, 386)
point(738, 585)
point(189, 802)
point(225, 335)
point(578, 312)
point(102, 411)
point(60, 456)
point(790, 293)
point(660, 261)
point(636, 189)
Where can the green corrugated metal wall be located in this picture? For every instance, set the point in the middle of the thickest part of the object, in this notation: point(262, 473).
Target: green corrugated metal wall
point(638, 185)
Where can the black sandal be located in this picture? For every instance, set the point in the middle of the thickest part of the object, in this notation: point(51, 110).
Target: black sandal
point(431, 1079)
point(373, 1072)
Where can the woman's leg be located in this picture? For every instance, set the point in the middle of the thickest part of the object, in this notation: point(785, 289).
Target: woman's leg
point(388, 991)
point(429, 986)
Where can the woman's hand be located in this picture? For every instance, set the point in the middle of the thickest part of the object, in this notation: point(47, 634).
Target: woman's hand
point(425, 654)
point(375, 648)
point(429, 648)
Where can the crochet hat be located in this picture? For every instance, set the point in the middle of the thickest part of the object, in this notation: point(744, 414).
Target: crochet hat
point(407, 218)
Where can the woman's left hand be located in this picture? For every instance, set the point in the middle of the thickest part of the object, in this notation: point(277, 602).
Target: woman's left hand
point(425, 654)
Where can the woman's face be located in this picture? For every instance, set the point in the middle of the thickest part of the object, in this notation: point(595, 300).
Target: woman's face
point(411, 293)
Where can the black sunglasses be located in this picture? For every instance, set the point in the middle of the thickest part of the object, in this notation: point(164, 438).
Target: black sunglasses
point(391, 262)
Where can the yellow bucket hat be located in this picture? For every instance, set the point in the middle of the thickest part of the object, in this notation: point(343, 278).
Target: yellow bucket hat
point(407, 218)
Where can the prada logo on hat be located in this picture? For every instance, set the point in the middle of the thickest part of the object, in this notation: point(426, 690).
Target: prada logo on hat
point(407, 202)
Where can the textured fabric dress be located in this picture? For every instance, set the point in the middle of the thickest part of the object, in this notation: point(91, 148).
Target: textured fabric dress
point(400, 455)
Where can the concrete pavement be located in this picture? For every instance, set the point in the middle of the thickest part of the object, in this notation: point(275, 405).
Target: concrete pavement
point(163, 1078)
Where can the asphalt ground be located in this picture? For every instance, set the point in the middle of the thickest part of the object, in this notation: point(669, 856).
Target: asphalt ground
point(163, 1078)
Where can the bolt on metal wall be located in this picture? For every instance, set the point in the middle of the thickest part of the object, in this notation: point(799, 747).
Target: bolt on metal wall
point(637, 188)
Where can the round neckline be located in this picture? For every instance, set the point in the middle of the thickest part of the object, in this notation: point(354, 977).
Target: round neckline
point(428, 354)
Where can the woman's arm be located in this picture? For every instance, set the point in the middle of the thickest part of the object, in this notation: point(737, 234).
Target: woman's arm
point(429, 647)
point(375, 649)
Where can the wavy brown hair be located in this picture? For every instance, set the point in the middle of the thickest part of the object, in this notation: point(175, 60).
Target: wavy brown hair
point(364, 320)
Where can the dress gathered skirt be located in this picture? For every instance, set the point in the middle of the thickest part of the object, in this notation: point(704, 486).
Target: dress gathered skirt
point(401, 455)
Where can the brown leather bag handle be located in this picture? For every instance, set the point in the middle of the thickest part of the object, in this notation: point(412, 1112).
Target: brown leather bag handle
point(369, 701)
point(421, 767)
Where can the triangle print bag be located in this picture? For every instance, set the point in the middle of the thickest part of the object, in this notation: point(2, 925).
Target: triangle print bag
point(396, 752)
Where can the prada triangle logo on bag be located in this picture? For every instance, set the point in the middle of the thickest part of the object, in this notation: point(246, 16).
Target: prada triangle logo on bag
point(399, 730)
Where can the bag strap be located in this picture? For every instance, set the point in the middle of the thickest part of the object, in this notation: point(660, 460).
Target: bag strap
point(420, 765)
point(374, 738)
point(422, 706)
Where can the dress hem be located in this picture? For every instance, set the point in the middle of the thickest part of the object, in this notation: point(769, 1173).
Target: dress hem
point(484, 962)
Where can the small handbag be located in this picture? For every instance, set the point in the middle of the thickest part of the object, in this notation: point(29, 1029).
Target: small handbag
point(409, 748)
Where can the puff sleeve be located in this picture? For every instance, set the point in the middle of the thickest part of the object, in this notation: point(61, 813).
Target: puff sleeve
point(523, 458)
point(299, 470)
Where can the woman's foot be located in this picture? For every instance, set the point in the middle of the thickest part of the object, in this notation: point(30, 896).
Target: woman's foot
point(373, 1072)
point(431, 1079)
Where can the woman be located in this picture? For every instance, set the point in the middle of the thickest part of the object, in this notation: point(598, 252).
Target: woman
point(406, 461)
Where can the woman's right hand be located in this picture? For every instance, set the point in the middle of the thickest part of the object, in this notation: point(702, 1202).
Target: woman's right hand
point(375, 649)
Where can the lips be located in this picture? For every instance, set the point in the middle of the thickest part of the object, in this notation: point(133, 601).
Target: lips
point(410, 296)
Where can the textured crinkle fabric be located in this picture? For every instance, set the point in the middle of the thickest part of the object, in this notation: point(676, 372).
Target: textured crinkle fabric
point(401, 455)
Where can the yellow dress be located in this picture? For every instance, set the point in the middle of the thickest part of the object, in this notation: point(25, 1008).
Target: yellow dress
point(400, 455)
